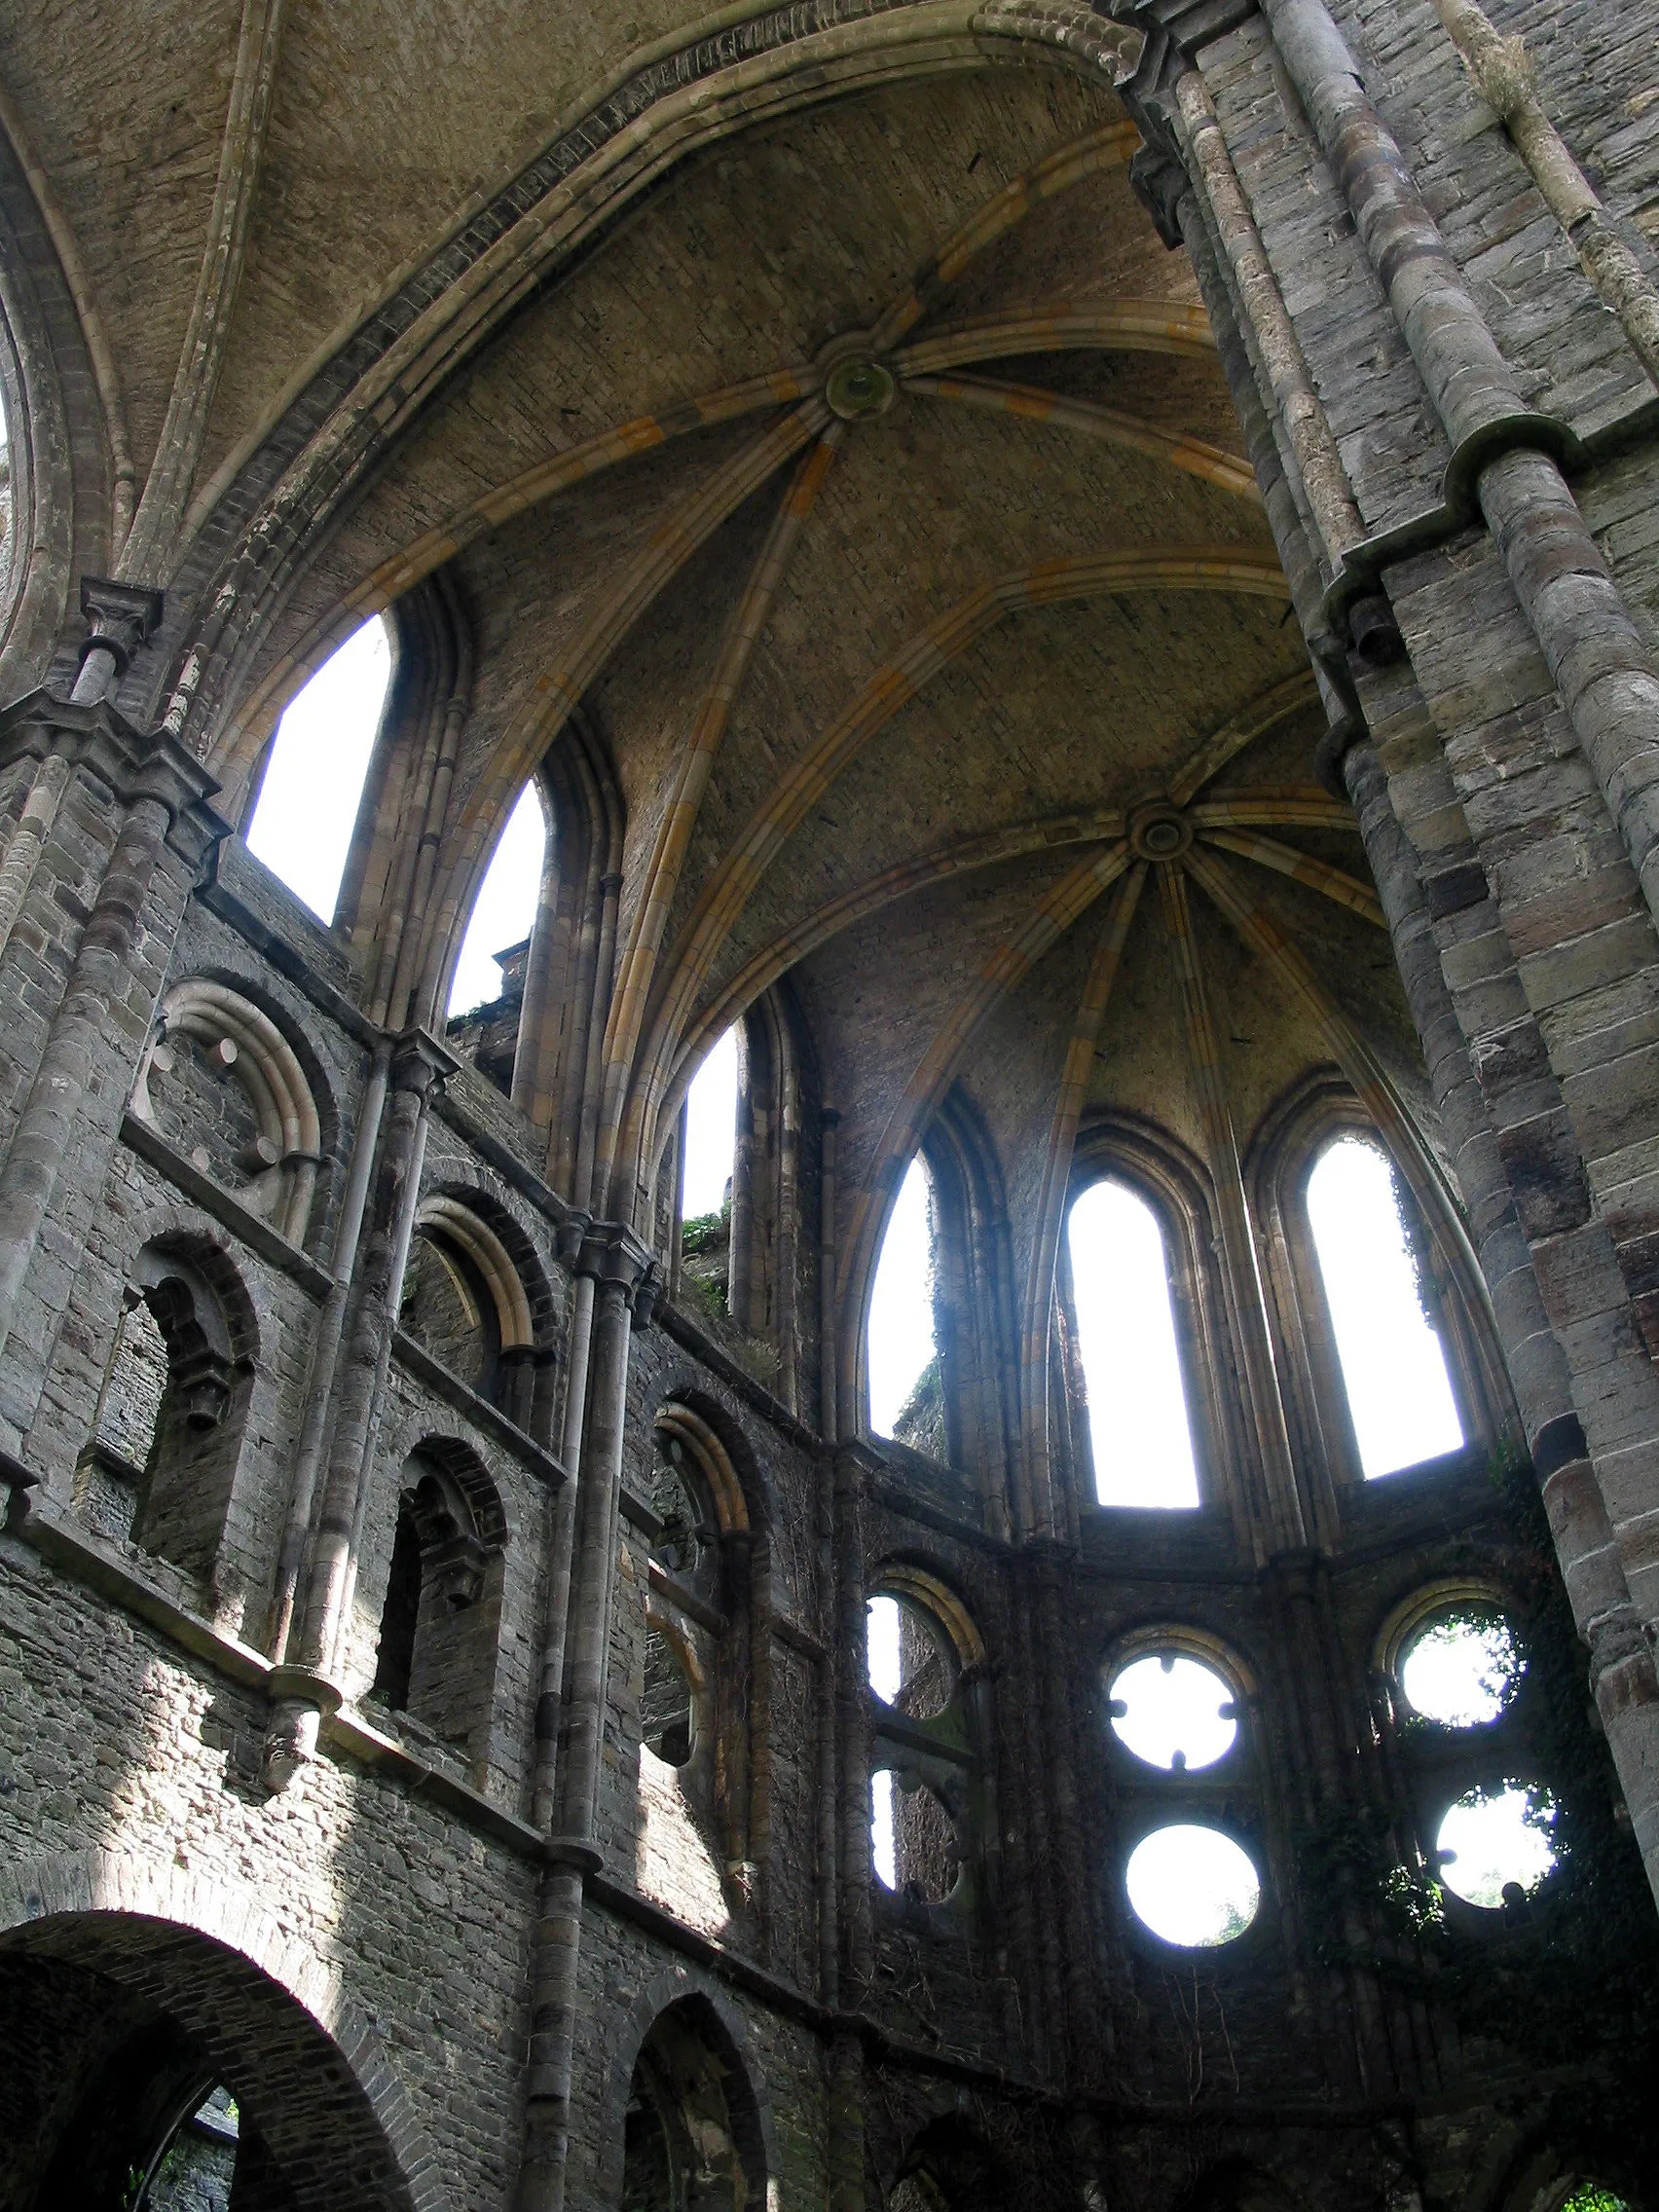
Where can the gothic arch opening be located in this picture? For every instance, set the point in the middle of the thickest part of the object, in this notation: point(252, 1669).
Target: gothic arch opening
point(119, 2028)
point(692, 2138)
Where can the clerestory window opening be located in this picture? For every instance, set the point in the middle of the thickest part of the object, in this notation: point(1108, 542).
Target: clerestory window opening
point(490, 967)
point(1383, 1310)
point(901, 1345)
point(1138, 1424)
point(312, 786)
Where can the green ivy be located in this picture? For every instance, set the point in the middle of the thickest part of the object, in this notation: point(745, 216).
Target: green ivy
point(1564, 1983)
point(703, 1231)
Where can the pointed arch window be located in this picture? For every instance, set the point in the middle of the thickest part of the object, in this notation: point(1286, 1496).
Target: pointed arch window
point(1139, 1423)
point(708, 1158)
point(310, 787)
point(1383, 1311)
point(902, 1347)
point(489, 972)
point(711, 1132)
point(1129, 1347)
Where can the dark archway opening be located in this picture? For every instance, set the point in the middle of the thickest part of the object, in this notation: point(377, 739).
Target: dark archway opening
point(692, 2133)
point(145, 2068)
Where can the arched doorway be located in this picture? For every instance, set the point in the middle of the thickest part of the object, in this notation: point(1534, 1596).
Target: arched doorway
point(691, 2135)
point(148, 2068)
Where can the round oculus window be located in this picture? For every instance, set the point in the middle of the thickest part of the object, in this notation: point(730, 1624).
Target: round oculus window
point(1461, 1667)
point(1173, 1712)
point(1192, 1886)
point(1493, 1845)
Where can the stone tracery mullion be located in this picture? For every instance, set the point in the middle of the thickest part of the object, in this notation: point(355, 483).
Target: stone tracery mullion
point(691, 776)
point(1277, 1518)
point(1035, 1473)
point(1001, 973)
point(1360, 1066)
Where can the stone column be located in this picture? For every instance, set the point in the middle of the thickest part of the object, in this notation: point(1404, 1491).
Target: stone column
point(114, 831)
point(1077, 1868)
point(1584, 1391)
point(304, 1688)
point(854, 1462)
point(624, 1290)
point(1622, 1674)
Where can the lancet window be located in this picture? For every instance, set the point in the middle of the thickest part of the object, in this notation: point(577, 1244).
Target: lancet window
point(1140, 1428)
point(304, 806)
point(440, 1617)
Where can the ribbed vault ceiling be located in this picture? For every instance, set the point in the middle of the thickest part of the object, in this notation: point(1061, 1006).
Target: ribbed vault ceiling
point(882, 694)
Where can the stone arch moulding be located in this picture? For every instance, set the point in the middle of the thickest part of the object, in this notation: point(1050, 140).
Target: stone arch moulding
point(1223, 1656)
point(259, 1055)
point(908, 1578)
point(67, 455)
point(715, 2016)
point(123, 1891)
point(283, 485)
point(1422, 1602)
point(728, 1470)
point(451, 1218)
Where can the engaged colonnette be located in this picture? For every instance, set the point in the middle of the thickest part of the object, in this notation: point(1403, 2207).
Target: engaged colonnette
point(1045, 617)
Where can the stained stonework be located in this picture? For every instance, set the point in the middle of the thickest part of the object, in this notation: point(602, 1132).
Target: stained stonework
point(1084, 577)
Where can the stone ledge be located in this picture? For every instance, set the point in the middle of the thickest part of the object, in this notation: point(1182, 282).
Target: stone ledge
point(415, 1359)
point(675, 1322)
point(247, 1226)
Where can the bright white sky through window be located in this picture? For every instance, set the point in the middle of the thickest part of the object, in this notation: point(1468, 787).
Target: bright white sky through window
point(505, 908)
point(885, 1674)
point(1126, 1326)
point(901, 1302)
point(1393, 1367)
point(308, 803)
point(1460, 1673)
point(1192, 1886)
point(1490, 1838)
point(710, 1131)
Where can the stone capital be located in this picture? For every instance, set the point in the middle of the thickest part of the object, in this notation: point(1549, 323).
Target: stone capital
point(611, 1253)
point(135, 763)
point(120, 617)
point(419, 1062)
point(1171, 32)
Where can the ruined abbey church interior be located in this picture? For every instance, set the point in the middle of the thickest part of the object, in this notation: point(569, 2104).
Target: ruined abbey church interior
point(829, 1106)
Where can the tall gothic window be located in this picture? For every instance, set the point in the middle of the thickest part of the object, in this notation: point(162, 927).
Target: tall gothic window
point(707, 1163)
point(313, 781)
point(1138, 1424)
point(490, 969)
point(1383, 1310)
point(901, 1347)
point(710, 1133)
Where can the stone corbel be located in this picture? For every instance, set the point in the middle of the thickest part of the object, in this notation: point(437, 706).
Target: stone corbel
point(421, 1063)
point(611, 1252)
point(458, 1567)
point(299, 1701)
point(1171, 33)
point(203, 1379)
